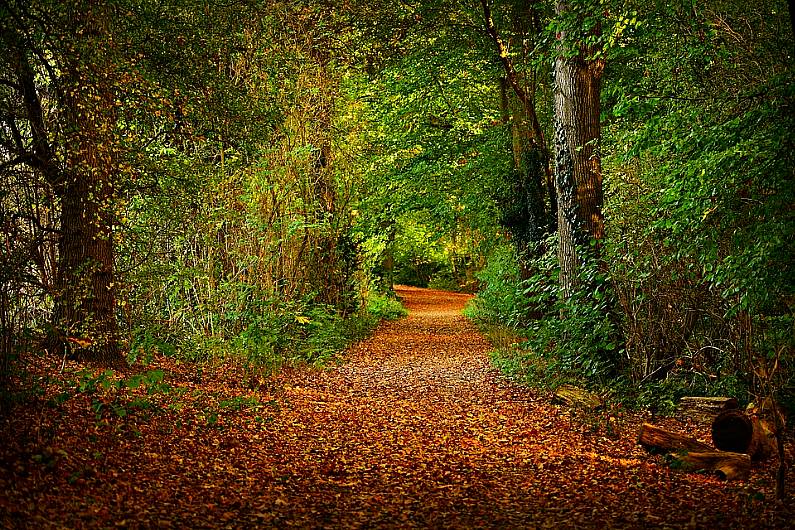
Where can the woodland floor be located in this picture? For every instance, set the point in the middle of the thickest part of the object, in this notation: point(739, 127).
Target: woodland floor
point(413, 429)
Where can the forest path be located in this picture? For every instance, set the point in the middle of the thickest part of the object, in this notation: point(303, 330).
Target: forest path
point(413, 429)
point(417, 429)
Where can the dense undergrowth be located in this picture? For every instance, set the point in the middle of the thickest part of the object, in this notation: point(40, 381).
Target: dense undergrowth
point(692, 292)
point(587, 340)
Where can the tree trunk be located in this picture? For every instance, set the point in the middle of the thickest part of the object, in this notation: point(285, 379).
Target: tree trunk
point(735, 431)
point(658, 439)
point(578, 169)
point(331, 270)
point(729, 466)
point(84, 311)
point(528, 217)
point(77, 161)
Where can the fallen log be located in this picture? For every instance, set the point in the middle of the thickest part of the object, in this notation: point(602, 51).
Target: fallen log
point(728, 466)
point(573, 396)
point(705, 408)
point(737, 432)
point(660, 440)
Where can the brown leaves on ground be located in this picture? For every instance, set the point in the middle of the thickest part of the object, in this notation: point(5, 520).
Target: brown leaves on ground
point(415, 429)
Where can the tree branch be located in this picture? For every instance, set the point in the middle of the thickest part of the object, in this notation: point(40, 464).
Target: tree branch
point(513, 79)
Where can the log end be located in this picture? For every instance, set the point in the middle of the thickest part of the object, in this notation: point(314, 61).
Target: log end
point(732, 430)
point(736, 431)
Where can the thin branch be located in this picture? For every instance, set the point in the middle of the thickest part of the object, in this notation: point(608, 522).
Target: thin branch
point(512, 77)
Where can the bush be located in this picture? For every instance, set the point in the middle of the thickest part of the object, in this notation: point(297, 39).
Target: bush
point(500, 299)
point(385, 307)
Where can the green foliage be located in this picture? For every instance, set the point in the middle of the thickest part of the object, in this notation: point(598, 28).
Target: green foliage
point(113, 396)
point(577, 337)
point(385, 307)
point(432, 111)
point(574, 339)
point(500, 299)
point(699, 188)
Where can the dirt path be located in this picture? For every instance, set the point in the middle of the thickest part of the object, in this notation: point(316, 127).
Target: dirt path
point(413, 429)
point(417, 429)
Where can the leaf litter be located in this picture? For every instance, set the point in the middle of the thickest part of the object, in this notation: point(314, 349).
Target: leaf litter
point(414, 429)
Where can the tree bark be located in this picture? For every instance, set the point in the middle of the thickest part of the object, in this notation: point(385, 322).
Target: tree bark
point(85, 291)
point(729, 466)
point(335, 260)
point(577, 397)
point(656, 438)
point(705, 408)
point(578, 169)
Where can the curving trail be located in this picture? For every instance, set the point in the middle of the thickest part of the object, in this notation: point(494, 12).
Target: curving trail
point(414, 429)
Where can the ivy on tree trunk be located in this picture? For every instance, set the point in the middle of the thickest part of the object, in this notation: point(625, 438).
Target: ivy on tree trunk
point(578, 169)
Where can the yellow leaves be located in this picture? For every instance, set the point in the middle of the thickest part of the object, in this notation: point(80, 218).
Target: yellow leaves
point(301, 319)
point(708, 212)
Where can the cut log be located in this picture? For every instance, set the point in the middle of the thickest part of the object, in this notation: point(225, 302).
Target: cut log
point(705, 408)
point(729, 466)
point(736, 431)
point(573, 396)
point(660, 440)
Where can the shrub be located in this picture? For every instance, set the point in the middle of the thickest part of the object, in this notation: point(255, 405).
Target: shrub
point(500, 299)
point(386, 307)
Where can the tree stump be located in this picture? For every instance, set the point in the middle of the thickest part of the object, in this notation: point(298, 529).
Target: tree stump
point(729, 466)
point(735, 431)
point(660, 440)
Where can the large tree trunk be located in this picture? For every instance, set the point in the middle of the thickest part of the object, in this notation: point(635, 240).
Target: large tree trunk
point(84, 312)
point(75, 155)
point(578, 170)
